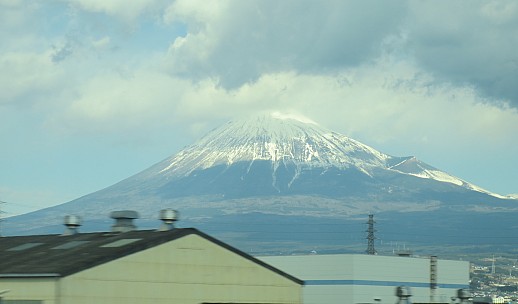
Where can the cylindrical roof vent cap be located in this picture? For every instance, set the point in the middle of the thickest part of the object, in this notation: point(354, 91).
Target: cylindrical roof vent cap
point(125, 214)
point(168, 217)
point(72, 222)
point(124, 220)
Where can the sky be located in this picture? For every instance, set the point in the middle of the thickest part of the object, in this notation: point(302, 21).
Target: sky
point(94, 91)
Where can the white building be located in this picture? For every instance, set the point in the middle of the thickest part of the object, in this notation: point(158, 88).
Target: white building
point(355, 278)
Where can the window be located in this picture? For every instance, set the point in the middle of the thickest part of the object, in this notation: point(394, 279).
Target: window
point(120, 243)
point(24, 246)
point(71, 244)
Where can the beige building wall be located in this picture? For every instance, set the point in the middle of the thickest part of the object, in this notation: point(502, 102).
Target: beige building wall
point(187, 270)
point(29, 289)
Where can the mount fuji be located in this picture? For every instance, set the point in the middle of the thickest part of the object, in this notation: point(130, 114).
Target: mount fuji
point(276, 181)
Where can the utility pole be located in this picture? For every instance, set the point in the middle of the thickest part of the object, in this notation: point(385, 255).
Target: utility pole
point(433, 278)
point(493, 265)
point(370, 235)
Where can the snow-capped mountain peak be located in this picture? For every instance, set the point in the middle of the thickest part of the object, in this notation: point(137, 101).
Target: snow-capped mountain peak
point(279, 138)
point(294, 144)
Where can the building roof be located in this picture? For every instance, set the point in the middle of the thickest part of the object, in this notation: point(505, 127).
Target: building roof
point(63, 255)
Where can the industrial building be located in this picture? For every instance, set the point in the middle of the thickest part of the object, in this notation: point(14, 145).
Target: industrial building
point(136, 266)
point(362, 278)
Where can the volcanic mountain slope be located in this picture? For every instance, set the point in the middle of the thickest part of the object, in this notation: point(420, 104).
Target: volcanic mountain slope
point(280, 155)
point(283, 167)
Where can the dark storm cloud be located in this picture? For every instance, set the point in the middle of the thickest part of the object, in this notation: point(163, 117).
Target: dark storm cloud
point(255, 37)
point(469, 42)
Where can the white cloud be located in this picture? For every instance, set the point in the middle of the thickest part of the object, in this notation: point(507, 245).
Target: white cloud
point(10, 3)
point(101, 43)
point(500, 11)
point(196, 12)
point(11, 13)
point(29, 77)
point(123, 9)
point(270, 53)
point(468, 42)
point(19, 21)
point(112, 101)
point(384, 101)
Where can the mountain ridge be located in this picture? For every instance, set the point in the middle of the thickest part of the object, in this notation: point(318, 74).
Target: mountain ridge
point(288, 140)
point(277, 168)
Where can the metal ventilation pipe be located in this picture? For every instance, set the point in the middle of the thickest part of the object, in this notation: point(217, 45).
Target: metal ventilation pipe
point(168, 217)
point(124, 220)
point(72, 224)
point(404, 294)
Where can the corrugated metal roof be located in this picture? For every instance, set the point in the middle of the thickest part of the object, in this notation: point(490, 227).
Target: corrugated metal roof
point(63, 255)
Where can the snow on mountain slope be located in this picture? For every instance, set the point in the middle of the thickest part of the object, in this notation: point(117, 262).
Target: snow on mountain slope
point(278, 139)
point(290, 140)
point(415, 167)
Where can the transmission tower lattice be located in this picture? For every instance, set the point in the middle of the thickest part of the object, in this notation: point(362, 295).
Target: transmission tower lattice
point(370, 235)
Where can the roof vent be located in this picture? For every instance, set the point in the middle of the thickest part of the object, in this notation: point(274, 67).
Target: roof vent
point(72, 223)
point(168, 217)
point(124, 220)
